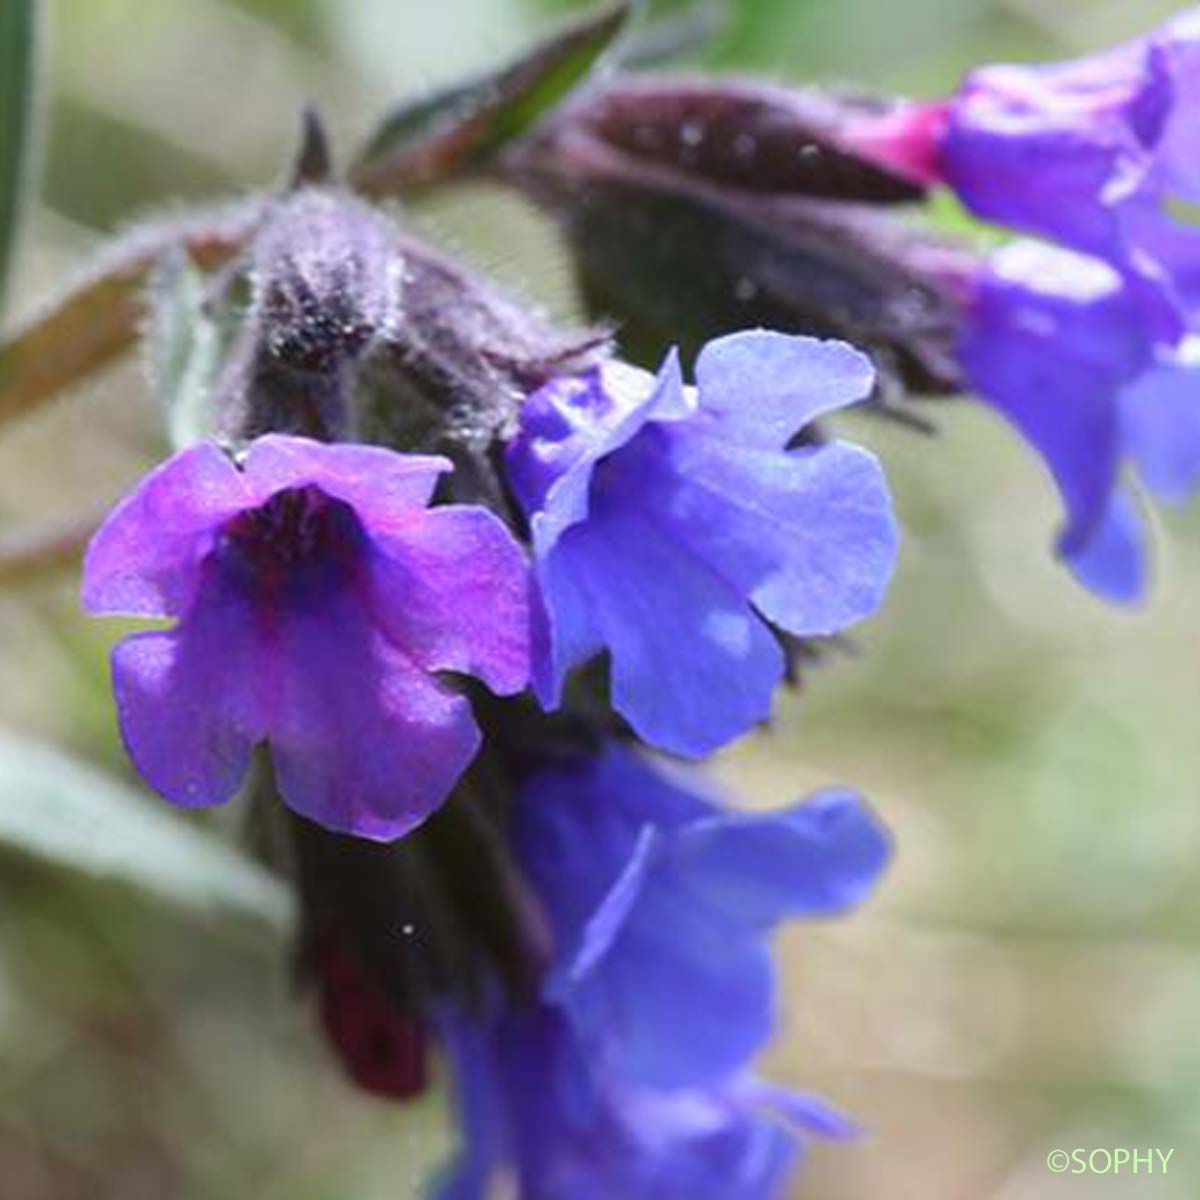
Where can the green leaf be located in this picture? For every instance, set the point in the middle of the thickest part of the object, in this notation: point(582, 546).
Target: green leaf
point(186, 345)
point(428, 141)
point(19, 38)
point(60, 810)
point(98, 318)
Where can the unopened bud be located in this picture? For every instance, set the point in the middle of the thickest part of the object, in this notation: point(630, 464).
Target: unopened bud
point(681, 244)
point(749, 136)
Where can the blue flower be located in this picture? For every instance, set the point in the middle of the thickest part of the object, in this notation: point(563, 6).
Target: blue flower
point(630, 1075)
point(671, 524)
point(1063, 346)
point(535, 1112)
point(657, 894)
point(1087, 153)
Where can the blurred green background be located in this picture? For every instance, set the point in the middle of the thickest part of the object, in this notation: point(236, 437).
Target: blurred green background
point(1028, 977)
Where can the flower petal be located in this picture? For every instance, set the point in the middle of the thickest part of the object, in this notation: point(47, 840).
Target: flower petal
point(808, 536)
point(363, 741)
point(692, 666)
point(764, 387)
point(571, 424)
point(452, 590)
point(1113, 562)
point(604, 925)
point(1053, 338)
point(817, 858)
point(145, 559)
point(1057, 149)
point(382, 487)
point(807, 1112)
point(1179, 152)
point(684, 997)
point(1161, 415)
point(564, 633)
point(186, 698)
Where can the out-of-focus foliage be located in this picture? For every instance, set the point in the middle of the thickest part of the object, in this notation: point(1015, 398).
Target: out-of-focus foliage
point(1031, 974)
point(61, 810)
point(18, 69)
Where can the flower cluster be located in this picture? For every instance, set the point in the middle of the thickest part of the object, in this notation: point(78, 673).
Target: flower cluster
point(456, 574)
point(701, 203)
point(1086, 341)
point(315, 594)
point(352, 588)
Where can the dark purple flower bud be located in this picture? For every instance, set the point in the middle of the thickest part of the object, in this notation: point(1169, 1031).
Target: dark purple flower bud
point(326, 278)
point(745, 135)
point(383, 1048)
point(696, 207)
point(359, 330)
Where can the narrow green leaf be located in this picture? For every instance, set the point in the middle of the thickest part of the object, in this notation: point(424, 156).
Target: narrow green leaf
point(19, 24)
point(98, 318)
point(431, 140)
point(186, 345)
point(63, 811)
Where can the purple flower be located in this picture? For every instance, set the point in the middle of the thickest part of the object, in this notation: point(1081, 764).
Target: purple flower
point(314, 595)
point(1086, 153)
point(671, 524)
point(631, 1076)
point(1061, 344)
point(1078, 152)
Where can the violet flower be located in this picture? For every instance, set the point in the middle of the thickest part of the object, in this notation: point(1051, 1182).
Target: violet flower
point(670, 524)
point(631, 1075)
point(314, 596)
point(1070, 150)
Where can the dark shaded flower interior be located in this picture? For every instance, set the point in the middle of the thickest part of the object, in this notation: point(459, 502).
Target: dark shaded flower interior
point(299, 536)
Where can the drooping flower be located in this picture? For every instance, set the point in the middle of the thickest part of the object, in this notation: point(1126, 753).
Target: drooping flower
point(1087, 344)
point(1063, 347)
point(314, 595)
point(631, 1075)
point(670, 524)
